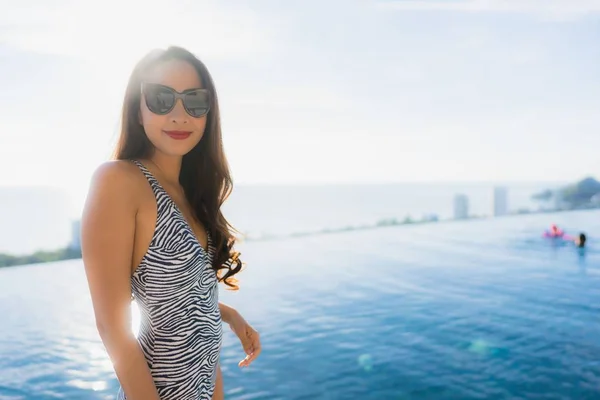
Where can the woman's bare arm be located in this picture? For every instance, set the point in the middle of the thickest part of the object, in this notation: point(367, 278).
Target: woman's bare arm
point(107, 238)
point(219, 393)
point(227, 313)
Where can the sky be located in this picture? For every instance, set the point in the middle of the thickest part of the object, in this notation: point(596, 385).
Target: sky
point(316, 91)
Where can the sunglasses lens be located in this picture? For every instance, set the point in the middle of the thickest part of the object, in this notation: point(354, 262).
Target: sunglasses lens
point(159, 99)
point(197, 103)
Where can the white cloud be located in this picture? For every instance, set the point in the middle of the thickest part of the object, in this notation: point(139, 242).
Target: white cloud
point(294, 98)
point(125, 30)
point(555, 9)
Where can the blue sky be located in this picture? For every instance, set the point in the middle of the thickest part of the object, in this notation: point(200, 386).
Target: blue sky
point(317, 91)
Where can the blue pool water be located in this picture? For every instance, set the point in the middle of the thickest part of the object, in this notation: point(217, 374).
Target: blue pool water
point(463, 310)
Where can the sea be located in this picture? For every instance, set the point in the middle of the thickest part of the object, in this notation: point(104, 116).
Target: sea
point(477, 309)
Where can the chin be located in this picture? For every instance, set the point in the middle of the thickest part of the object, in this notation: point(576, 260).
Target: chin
point(175, 152)
point(177, 149)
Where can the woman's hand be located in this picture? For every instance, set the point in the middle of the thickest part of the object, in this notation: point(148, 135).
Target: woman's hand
point(248, 337)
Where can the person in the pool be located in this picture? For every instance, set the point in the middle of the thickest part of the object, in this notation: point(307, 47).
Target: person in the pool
point(580, 240)
point(554, 232)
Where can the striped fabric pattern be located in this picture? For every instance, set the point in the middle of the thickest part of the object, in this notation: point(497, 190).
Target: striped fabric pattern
point(176, 291)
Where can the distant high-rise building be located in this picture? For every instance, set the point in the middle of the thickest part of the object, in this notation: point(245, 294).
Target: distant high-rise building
point(75, 235)
point(461, 206)
point(500, 201)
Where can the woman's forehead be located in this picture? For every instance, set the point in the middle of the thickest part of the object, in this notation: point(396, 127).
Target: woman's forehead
point(177, 74)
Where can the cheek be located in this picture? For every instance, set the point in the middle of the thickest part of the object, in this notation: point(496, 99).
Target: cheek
point(151, 122)
point(199, 124)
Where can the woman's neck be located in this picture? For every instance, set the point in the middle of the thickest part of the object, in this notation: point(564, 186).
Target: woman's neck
point(169, 167)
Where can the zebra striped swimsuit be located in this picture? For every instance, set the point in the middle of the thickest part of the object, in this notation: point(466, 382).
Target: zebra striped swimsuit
point(176, 291)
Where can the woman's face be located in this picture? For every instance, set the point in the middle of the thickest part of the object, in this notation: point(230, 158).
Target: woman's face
point(177, 132)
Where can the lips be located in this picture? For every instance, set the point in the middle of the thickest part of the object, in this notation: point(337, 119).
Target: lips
point(178, 135)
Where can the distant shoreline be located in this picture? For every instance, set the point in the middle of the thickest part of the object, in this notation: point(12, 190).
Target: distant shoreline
point(394, 222)
point(40, 257)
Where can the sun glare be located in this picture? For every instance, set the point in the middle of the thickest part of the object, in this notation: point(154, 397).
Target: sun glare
point(135, 318)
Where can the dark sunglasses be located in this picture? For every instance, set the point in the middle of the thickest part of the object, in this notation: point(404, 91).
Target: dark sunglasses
point(161, 99)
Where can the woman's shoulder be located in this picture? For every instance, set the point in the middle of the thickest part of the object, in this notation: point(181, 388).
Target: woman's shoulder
point(121, 178)
point(117, 169)
point(117, 172)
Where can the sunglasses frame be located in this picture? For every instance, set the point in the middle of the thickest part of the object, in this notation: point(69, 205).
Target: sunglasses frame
point(177, 95)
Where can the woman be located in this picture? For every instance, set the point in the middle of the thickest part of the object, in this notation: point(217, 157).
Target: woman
point(152, 230)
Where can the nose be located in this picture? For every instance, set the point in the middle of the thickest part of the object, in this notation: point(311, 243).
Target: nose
point(178, 113)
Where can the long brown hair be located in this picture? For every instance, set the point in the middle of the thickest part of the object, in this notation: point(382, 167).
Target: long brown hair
point(204, 175)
